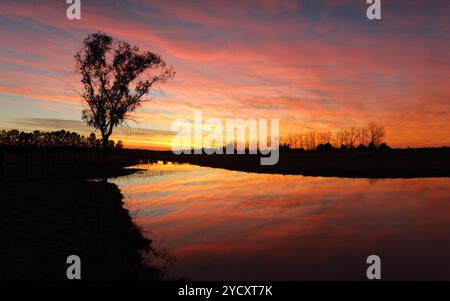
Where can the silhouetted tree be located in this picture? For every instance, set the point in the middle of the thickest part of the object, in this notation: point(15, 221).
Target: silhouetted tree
point(115, 77)
point(384, 147)
point(92, 140)
point(340, 138)
point(327, 147)
point(361, 148)
point(311, 140)
point(376, 134)
point(351, 138)
point(49, 139)
point(119, 144)
point(363, 136)
point(325, 137)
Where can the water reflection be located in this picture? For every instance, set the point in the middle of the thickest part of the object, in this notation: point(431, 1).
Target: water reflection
point(229, 225)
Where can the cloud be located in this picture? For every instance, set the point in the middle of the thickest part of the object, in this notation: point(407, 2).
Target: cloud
point(50, 123)
point(312, 64)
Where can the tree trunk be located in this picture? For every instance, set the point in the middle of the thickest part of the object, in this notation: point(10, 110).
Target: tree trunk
point(105, 149)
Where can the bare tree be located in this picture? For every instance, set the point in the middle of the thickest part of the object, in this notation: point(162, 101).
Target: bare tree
point(376, 134)
point(363, 136)
point(325, 137)
point(300, 139)
point(295, 141)
point(311, 140)
point(352, 137)
point(340, 138)
point(349, 137)
point(115, 77)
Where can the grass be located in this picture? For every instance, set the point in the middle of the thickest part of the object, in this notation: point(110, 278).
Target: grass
point(45, 219)
point(389, 164)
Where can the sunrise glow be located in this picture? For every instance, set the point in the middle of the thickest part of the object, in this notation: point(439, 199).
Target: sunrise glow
point(314, 65)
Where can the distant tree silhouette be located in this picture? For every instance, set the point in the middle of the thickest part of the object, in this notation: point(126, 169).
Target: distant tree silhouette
point(119, 144)
point(15, 138)
point(311, 140)
point(361, 148)
point(384, 147)
point(92, 140)
point(376, 134)
point(325, 137)
point(327, 147)
point(115, 78)
point(345, 139)
point(363, 137)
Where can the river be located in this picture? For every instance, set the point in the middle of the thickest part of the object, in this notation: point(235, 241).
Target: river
point(229, 225)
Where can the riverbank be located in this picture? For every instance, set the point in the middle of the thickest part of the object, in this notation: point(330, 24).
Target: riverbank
point(35, 163)
point(50, 210)
point(401, 163)
point(44, 221)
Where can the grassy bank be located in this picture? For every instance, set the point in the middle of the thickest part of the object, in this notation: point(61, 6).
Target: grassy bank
point(49, 210)
point(61, 162)
point(377, 164)
point(399, 163)
point(43, 221)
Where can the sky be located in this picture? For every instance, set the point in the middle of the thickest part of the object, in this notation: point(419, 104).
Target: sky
point(315, 65)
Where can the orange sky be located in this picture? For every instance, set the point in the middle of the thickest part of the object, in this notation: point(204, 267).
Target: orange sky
point(315, 65)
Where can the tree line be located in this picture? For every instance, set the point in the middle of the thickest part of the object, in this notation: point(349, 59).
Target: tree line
point(370, 137)
point(60, 138)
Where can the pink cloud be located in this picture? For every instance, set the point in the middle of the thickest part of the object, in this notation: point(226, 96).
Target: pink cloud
point(249, 59)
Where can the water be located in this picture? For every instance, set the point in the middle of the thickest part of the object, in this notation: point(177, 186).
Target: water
point(228, 225)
